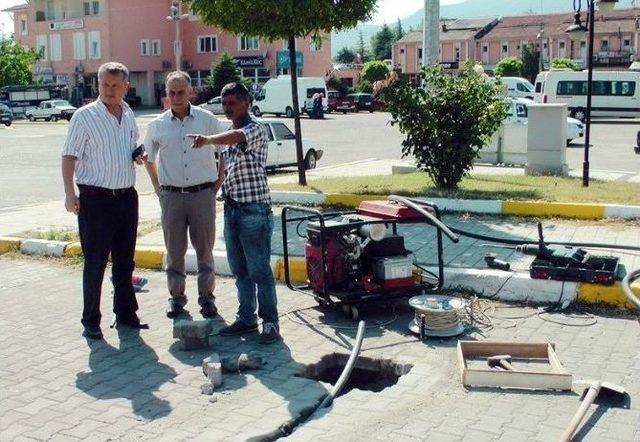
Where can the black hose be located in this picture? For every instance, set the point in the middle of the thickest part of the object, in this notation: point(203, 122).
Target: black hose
point(415, 205)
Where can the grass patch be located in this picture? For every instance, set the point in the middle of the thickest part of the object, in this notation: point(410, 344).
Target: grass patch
point(144, 228)
point(502, 187)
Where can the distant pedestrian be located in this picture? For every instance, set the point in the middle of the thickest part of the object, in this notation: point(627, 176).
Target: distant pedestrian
point(99, 150)
point(186, 181)
point(248, 218)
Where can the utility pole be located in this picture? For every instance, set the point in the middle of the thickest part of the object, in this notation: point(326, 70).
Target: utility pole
point(431, 33)
point(175, 16)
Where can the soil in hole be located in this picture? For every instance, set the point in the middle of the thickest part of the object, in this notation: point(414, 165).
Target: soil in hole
point(361, 379)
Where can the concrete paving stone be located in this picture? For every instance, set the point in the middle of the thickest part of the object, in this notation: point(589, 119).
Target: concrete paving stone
point(44, 432)
point(63, 438)
point(84, 428)
point(515, 434)
point(15, 430)
point(36, 406)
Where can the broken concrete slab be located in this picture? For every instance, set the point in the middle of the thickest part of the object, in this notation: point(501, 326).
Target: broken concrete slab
point(212, 369)
point(245, 361)
point(186, 328)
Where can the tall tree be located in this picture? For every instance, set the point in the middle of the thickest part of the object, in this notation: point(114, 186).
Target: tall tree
point(223, 72)
point(15, 63)
point(508, 67)
point(399, 32)
point(345, 55)
point(530, 62)
point(285, 19)
point(381, 43)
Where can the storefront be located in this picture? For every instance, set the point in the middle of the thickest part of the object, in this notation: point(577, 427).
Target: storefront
point(252, 67)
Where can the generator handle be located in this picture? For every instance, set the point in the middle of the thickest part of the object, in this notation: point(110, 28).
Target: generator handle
point(415, 205)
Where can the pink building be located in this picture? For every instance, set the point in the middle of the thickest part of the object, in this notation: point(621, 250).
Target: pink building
point(75, 37)
point(486, 41)
point(457, 44)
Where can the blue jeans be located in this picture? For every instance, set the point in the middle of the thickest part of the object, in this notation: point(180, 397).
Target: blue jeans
point(247, 236)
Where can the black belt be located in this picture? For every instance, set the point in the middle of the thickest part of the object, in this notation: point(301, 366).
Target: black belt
point(102, 191)
point(190, 189)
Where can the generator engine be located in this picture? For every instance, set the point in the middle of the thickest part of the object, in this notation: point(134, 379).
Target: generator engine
point(361, 254)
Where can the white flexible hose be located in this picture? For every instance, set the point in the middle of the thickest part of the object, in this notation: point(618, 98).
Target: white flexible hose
point(626, 287)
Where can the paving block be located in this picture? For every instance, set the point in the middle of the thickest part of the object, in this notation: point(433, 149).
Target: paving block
point(194, 343)
point(212, 369)
point(192, 329)
point(245, 361)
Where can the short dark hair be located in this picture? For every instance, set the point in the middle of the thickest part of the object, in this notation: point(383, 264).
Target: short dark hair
point(237, 89)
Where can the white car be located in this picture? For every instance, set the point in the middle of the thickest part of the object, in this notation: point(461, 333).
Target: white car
point(519, 112)
point(51, 110)
point(214, 105)
point(282, 145)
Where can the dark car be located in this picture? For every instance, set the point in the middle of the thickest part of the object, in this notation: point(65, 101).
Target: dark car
point(6, 116)
point(363, 101)
point(336, 103)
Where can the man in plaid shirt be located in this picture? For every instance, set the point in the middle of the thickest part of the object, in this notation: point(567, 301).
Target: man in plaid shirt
point(248, 218)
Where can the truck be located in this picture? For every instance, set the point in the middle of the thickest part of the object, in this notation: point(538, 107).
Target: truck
point(276, 97)
point(51, 110)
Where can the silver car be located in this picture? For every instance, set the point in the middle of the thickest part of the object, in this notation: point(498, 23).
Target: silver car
point(214, 105)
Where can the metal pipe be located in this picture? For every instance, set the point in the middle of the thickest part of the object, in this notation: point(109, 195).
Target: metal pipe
point(587, 133)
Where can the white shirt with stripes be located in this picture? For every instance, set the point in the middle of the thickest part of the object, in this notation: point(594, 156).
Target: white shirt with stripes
point(102, 146)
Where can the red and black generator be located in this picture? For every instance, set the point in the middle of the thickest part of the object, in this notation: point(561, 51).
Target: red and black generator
point(354, 257)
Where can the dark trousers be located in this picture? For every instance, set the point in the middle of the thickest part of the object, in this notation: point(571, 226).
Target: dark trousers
point(108, 224)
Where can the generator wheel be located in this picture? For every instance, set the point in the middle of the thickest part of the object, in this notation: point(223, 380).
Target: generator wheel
point(323, 303)
point(354, 313)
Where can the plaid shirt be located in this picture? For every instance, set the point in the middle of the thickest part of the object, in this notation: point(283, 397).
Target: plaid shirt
point(245, 166)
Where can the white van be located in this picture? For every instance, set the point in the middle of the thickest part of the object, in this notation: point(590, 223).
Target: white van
point(275, 96)
point(614, 93)
point(518, 87)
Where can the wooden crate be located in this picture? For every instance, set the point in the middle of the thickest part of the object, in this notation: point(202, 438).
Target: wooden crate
point(554, 377)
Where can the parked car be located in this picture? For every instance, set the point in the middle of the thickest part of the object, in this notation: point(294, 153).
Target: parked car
point(282, 145)
point(6, 115)
point(132, 98)
point(214, 105)
point(336, 103)
point(51, 110)
point(363, 101)
point(519, 113)
point(518, 87)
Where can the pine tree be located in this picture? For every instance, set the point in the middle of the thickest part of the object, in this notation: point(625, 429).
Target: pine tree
point(225, 71)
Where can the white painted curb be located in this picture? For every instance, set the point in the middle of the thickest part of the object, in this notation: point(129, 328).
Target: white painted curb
point(43, 247)
point(620, 211)
point(305, 198)
point(472, 206)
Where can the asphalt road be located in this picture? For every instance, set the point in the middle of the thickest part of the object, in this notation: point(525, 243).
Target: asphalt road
point(30, 152)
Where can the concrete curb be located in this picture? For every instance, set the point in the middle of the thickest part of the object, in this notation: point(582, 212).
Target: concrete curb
point(486, 207)
point(489, 283)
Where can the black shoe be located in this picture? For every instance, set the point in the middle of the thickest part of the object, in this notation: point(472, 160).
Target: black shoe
point(237, 328)
point(174, 309)
point(209, 309)
point(270, 333)
point(131, 321)
point(92, 332)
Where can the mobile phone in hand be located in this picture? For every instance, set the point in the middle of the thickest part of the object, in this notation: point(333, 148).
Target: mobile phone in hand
point(139, 151)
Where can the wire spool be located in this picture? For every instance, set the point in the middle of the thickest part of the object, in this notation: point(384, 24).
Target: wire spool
point(437, 315)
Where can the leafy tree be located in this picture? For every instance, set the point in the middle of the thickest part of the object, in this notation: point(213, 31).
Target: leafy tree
point(284, 19)
point(399, 32)
point(560, 63)
point(345, 55)
point(15, 63)
point(364, 86)
point(530, 62)
point(446, 122)
point(362, 49)
point(223, 72)
point(508, 67)
point(374, 70)
point(381, 43)
point(338, 85)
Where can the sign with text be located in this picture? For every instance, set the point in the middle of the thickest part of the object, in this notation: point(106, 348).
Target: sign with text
point(283, 59)
point(70, 24)
point(252, 61)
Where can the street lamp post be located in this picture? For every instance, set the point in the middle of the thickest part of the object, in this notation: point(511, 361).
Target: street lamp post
point(576, 32)
point(540, 51)
point(176, 16)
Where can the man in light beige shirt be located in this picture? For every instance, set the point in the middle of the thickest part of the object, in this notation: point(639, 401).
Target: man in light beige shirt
point(186, 181)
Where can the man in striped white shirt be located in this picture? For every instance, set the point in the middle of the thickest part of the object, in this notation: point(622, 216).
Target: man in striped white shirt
point(100, 150)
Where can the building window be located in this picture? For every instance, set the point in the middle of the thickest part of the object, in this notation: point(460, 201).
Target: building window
point(207, 43)
point(248, 43)
point(562, 45)
point(23, 25)
point(94, 45)
point(505, 48)
point(144, 47)
point(79, 52)
point(485, 48)
point(41, 46)
point(627, 42)
point(285, 44)
point(51, 12)
point(86, 6)
point(95, 7)
point(155, 47)
point(604, 44)
point(457, 51)
point(55, 44)
point(314, 46)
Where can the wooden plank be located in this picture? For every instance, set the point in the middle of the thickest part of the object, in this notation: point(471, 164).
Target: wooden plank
point(517, 379)
point(531, 350)
point(461, 362)
point(555, 363)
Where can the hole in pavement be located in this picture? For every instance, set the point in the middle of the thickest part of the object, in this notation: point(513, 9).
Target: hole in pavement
point(368, 374)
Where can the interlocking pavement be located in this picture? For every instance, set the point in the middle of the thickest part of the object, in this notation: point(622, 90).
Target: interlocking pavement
point(54, 385)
